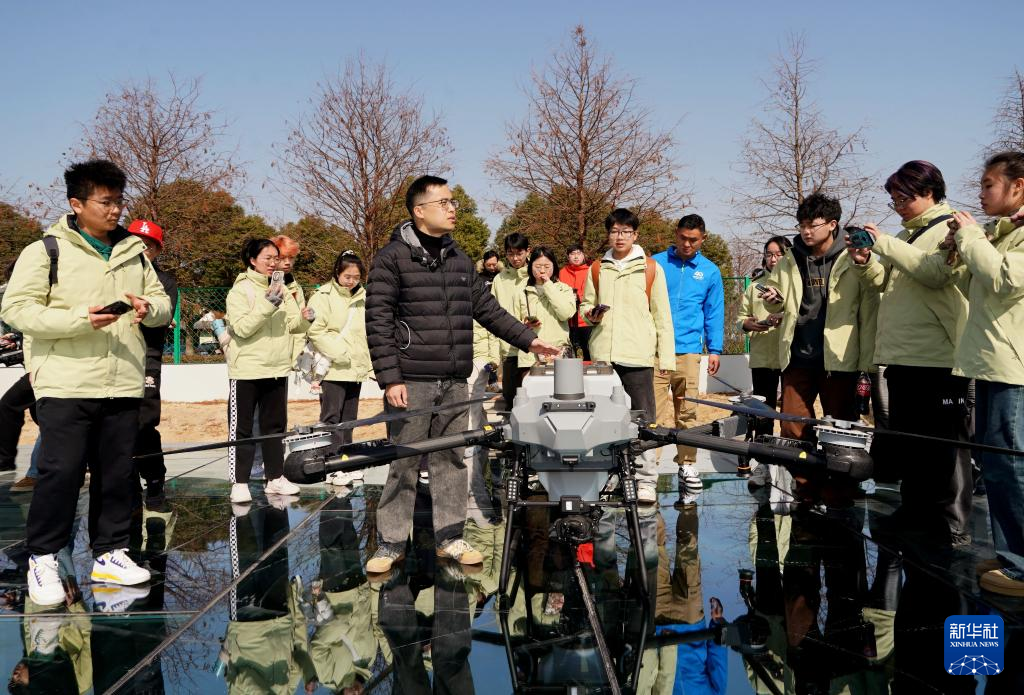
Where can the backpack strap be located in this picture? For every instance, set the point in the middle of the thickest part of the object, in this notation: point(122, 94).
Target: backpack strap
point(650, 272)
point(595, 275)
point(53, 251)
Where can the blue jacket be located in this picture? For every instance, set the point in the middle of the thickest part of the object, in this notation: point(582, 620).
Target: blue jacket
point(697, 298)
point(702, 668)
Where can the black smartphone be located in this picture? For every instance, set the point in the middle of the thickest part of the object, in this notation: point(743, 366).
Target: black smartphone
point(601, 308)
point(531, 319)
point(116, 308)
point(860, 238)
point(765, 288)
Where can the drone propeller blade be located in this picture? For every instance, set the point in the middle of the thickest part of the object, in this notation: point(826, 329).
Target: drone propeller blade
point(755, 411)
point(351, 424)
point(766, 411)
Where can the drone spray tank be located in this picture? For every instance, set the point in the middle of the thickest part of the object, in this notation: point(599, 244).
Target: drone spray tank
point(569, 422)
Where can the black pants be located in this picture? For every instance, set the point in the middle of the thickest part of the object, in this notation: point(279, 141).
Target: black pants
point(638, 382)
point(765, 383)
point(76, 430)
point(339, 402)
point(511, 379)
point(579, 336)
point(243, 396)
point(936, 478)
point(152, 470)
point(13, 405)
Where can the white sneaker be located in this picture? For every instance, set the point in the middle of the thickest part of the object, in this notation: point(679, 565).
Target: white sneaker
point(44, 587)
point(116, 599)
point(116, 567)
point(646, 494)
point(689, 480)
point(240, 493)
point(282, 486)
point(44, 632)
point(341, 479)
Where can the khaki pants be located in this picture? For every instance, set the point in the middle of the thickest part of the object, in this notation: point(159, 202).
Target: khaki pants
point(673, 411)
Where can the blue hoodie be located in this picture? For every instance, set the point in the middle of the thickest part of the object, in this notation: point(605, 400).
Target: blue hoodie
point(697, 298)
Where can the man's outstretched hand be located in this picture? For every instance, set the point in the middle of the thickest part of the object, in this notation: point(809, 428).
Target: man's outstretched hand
point(539, 347)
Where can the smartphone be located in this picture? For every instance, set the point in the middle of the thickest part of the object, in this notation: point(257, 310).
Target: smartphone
point(532, 319)
point(277, 277)
point(765, 288)
point(860, 238)
point(116, 308)
point(601, 308)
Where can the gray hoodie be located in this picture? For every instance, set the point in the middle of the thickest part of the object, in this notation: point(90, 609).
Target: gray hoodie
point(809, 336)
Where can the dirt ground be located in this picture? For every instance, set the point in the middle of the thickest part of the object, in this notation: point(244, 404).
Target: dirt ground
point(207, 421)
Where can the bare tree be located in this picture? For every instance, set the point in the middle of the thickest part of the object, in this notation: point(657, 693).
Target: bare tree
point(349, 160)
point(159, 136)
point(794, 153)
point(584, 147)
point(1008, 122)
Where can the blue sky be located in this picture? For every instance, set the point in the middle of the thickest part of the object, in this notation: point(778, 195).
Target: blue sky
point(924, 78)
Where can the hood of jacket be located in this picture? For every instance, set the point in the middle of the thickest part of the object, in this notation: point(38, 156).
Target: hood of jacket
point(406, 233)
point(634, 253)
point(927, 216)
point(486, 274)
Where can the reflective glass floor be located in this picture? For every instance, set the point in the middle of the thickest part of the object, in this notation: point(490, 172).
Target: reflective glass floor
point(749, 593)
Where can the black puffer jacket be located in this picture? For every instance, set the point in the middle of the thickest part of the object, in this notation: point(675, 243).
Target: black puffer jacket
point(420, 312)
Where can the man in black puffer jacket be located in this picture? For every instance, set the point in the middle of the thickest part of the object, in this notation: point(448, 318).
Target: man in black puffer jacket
point(422, 297)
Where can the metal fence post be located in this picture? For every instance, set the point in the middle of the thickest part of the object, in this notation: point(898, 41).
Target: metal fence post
point(177, 329)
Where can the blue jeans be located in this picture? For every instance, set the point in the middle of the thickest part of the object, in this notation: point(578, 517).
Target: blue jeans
point(1000, 421)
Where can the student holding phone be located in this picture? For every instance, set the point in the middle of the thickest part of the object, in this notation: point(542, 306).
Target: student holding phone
point(626, 301)
point(827, 333)
point(759, 323)
point(546, 304)
point(263, 316)
point(88, 373)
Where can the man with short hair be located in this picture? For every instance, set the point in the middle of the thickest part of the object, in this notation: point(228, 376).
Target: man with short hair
point(698, 316)
point(626, 302)
point(152, 470)
point(506, 288)
point(422, 298)
point(80, 298)
point(827, 334)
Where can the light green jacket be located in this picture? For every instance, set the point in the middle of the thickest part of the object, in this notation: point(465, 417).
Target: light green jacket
point(261, 333)
point(922, 310)
point(992, 344)
point(764, 345)
point(506, 288)
point(554, 305)
point(634, 332)
point(298, 341)
point(339, 331)
point(346, 646)
point(70, 358)
point(850, 316)
point(486, 345)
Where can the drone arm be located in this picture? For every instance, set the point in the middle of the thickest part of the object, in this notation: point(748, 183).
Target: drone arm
point(731, 446)
point(314, 469)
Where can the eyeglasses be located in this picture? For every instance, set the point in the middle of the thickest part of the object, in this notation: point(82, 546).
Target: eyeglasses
point(769, 254)
point(621, 232)
point(898, 203)
point(809, 227)
point(443, 202)
point(108, 204)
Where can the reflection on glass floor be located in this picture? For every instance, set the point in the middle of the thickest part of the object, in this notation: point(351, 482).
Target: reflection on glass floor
point(750, 593)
